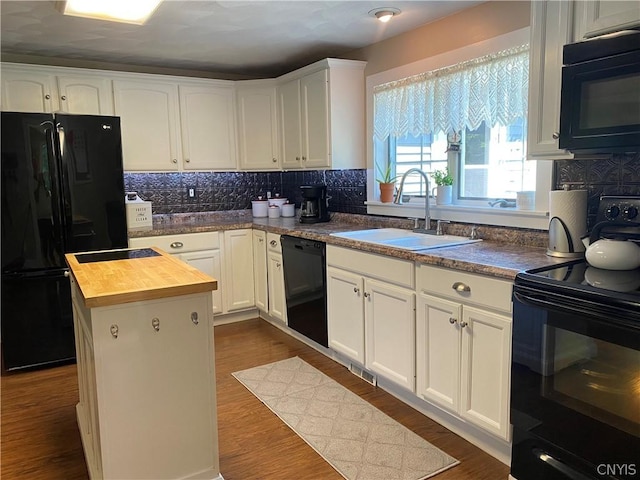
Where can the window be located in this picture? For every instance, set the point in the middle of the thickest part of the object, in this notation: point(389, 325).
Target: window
point(481, 104)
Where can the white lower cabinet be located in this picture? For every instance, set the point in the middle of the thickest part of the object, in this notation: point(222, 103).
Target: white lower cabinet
point(226, 256)
point(238, 266)
point(275, 275)
point(463, 352)
point(371, 312)
point(260, 286)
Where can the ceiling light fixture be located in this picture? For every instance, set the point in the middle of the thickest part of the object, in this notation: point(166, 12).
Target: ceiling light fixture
point(126, 11)
point(384, 14)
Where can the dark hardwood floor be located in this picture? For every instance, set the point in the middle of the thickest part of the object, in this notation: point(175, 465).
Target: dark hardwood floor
point(40, 439)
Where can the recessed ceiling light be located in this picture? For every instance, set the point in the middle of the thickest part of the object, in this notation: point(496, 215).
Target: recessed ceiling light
point(384, 14)
point(126, 11)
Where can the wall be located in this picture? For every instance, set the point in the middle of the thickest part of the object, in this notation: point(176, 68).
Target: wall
point(612, 175)
point(235, 190)
point(469, 26)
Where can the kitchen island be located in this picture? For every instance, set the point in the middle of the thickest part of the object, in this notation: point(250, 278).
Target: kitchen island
point(146, 375)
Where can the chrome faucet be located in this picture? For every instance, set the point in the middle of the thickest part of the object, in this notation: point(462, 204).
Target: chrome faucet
point(398, 199)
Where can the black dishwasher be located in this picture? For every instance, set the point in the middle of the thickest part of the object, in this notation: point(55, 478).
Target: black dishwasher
point(305, 287)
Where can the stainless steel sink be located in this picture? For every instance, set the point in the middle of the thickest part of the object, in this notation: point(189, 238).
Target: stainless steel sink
point(404, 239)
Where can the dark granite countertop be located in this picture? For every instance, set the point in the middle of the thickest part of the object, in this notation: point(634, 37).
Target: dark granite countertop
point(502, 256)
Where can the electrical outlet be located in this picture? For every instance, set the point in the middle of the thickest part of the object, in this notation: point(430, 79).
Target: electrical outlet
point(191, 192)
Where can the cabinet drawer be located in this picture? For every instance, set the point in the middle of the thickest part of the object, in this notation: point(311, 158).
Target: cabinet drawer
point(465, 287)
point(186, 242)
point(273, 243)
point(388, 269)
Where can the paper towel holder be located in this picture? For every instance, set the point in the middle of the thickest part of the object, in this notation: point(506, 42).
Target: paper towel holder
point(561, 244)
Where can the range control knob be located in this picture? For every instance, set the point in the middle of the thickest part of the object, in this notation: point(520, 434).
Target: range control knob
point(630, 212)
point(612, 212)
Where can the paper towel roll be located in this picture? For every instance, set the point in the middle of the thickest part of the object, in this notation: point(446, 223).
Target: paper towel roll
point(567, 222)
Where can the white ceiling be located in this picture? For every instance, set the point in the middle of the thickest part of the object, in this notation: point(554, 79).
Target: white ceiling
point(254, 38)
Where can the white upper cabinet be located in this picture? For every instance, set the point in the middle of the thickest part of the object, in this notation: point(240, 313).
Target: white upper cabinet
point(207, 121)
point(148, 111)
point(599, 17)
point(321, 116)
point(85, 95)
point(44, 90)
point(551, 29)
point(257, 126)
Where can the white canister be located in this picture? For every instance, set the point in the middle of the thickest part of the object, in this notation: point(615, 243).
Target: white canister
point(277, 201)
point(274, 211)
point(288, 210)
point(260, 207)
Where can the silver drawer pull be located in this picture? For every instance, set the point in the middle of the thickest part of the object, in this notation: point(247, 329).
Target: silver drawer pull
point(461, 287)
point(194, 317)
point(452, 320)
point(463, 324)
point(114, 330)
point(366, 295)
point(273, 243)
point(155, 323)
point(356, 290)
point(177, 245)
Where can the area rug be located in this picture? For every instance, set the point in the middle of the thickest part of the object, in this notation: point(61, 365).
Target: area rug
point(357, 439)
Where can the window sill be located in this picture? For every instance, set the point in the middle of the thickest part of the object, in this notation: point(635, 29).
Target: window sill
point(504, 217)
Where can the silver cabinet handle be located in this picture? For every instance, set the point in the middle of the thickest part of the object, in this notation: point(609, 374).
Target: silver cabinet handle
point(66, 273)
point(304, 159)
point(452, 320)
point(261, 240)
point(175, 160)
point(155, 323)
point(273, 243)
point(298, 159)
point(187, 160)
point(461, 287)
point(177, 245)
point(278, 264)
point(194, 317)
point(366, 295)
point(114, 330)
point(556, 135)
point(356, 290)
point(274, 160)
point(63, 97)
point(463, 324)
point(47, 96)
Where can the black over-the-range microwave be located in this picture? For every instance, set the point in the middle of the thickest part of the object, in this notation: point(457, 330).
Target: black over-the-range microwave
point(600, 97)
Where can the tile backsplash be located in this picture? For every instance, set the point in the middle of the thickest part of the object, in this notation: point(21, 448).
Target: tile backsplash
point(609, 175)
point(218, 191)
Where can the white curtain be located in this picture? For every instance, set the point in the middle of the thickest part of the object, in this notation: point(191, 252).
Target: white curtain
point(492, 88)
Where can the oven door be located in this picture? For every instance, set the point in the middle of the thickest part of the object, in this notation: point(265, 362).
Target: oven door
point(575, 390)
point(600, 105)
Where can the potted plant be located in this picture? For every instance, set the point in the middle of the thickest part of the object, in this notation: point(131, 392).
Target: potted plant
point(387, 183)
point(444, 186)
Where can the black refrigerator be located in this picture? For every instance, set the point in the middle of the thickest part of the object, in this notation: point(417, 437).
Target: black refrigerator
point(62, 192)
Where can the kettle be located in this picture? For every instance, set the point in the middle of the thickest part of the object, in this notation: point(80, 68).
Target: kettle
point(610, 254)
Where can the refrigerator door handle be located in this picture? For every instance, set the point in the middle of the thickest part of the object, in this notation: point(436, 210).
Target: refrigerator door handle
point(57, 206)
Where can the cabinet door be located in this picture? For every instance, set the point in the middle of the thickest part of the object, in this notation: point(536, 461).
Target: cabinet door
point(550, 30)
point(208, 261)
point(208, 127)
point(238, 266)
point(258, 128)
point(314, 104)
point(345, 313)
point(148, 112)
point(291, 148)
point(390, 332)
point(260, 270)
point(485, 370)
point(597, 17)
point(85, 95)
point(26, 91)
point(277, 300)
point(438, 351)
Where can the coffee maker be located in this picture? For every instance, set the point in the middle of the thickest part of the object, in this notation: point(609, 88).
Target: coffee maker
point(314, 204)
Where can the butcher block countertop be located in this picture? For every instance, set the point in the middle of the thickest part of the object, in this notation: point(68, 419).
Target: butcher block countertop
point(113, 282)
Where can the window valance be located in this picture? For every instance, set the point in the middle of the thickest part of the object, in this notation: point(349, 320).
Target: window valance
point(492, 88)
